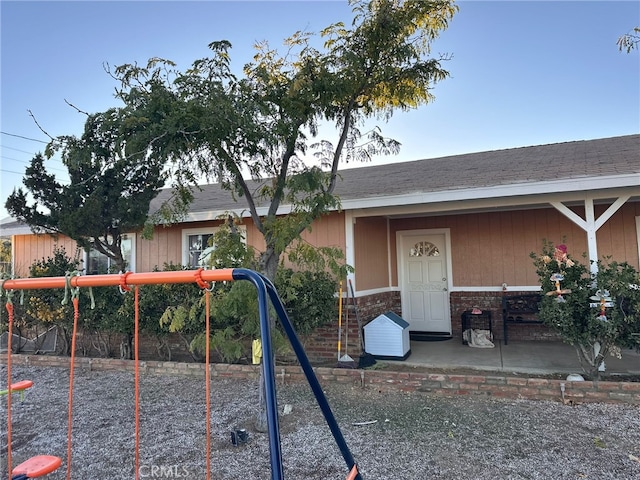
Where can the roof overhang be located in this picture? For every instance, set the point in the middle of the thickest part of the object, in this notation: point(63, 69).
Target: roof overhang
point(499, 197)
point(505, 197)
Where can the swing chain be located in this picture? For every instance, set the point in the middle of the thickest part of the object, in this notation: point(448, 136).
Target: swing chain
point(8, 293)
point(75, 291)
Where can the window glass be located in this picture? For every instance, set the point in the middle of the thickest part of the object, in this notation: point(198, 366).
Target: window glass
point(197, 243)
point(426, 249)
point(100, 264)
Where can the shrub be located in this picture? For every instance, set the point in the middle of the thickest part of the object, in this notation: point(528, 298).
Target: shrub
point(596, 313)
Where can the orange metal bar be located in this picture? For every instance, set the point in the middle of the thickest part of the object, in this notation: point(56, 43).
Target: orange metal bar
point(129, 278)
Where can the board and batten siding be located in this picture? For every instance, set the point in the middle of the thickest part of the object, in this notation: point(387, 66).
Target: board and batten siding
point(493, 247)
point(487, 248)
point(29, 249)
point(166, 245)
point(371, 252)
point(327, 231)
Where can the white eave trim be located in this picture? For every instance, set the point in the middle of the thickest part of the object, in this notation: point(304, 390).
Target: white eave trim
point(15, 230)
point(498, 191)
point(503, 192)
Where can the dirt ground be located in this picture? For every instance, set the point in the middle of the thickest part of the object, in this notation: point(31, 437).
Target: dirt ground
point(413, 436)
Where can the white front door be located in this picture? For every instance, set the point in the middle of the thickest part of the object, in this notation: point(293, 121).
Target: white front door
point(424, 281)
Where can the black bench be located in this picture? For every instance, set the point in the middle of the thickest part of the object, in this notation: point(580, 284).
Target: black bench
point(519, 310)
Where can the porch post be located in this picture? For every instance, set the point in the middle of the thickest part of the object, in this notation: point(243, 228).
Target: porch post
point(349, 240)
point(591, 225)
point(592, 242)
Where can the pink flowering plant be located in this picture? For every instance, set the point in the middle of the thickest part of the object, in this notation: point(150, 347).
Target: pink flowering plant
point(599, 314)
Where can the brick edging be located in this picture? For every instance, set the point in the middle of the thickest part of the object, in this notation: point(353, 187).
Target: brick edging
point(489, 385)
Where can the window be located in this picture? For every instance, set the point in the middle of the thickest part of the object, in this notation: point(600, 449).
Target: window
point(98, 263)
point(196, 244)
point(5, 256)
point(195, 241)
point(426, 249)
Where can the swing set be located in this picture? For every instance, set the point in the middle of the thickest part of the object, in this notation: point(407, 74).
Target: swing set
point(41, 465)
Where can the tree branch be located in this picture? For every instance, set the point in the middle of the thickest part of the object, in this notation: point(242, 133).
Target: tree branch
point(39, 126)
point(75, 108)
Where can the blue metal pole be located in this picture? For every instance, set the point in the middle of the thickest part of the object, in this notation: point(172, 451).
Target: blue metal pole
point(311, 376)
point(275, 448)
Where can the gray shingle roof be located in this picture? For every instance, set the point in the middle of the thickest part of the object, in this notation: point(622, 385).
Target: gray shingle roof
point(514, 166)
point(543, 163)
point(592, 158)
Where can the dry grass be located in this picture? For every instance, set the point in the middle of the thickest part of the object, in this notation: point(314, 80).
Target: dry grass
point(414, 436)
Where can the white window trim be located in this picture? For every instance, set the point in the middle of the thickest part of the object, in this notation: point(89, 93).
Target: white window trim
point(187, 232)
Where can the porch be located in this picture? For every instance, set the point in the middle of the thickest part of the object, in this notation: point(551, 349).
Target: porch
point(527, 357)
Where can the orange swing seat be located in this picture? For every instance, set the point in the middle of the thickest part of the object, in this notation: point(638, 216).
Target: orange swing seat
point(19, 386)
point(38, 466)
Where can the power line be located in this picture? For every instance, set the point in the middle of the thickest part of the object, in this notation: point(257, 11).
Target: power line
point(24, 161)
point(17, 149)
point(11, 171)
point(23, 137)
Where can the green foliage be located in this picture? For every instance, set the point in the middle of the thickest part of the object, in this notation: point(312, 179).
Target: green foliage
point(235, 321)
point(207, 122)
point(112, 184)
point(46, 306)
point(101, 311)
point(5, 256)
point(228, 248)
point(309, 298)
point(573, 307)
point(167, 308)
point(318, 259)
point(224, 342)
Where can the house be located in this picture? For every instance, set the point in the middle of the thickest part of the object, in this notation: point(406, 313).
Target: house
point(432, 238)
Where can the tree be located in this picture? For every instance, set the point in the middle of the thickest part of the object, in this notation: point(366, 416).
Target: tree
point(208, 123)
point(111, 187)
point(598, 314)
point(629, 41)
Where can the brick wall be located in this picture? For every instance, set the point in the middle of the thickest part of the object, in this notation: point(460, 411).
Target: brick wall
point(430, 383)
point(492, 301)
point(322, 345)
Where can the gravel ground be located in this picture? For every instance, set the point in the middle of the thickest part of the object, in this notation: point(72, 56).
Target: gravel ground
point(415, 436)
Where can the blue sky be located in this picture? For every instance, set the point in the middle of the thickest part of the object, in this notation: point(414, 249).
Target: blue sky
point(522, 73)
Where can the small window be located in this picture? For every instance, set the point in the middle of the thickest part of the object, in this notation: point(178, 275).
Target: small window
point(196, 241)
point(424, 249)
point(5, 256)
point(98, 263)
point(197, 244)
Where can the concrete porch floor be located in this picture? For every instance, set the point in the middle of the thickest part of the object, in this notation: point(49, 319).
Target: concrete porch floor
point(537, 357)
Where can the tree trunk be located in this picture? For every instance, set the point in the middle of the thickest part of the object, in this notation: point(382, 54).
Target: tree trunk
point(268, 265)
point(590, 360)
